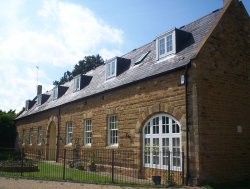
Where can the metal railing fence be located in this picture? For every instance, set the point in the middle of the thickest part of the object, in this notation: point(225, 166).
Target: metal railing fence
point(94, 165)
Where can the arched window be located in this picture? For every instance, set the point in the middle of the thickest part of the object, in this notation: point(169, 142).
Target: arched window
point(161, 140)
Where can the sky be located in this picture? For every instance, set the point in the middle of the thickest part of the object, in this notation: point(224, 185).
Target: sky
point(53, 35)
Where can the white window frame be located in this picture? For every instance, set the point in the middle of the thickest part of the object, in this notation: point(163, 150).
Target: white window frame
point(77, 83)
point(27, 103)
point(39, 99)
point(165, 133)
point(165, 37)
point(88, 132)
point(23, 136)
point(55, 93)
point(69, 132)
point(39, 135)
point(113, 130)
point(111, 69)
point(31, 136)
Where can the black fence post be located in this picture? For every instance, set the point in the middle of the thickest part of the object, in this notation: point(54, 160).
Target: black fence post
point(183, 169)
point(64, 163)
point(113, 166)
point(22, 157)
point(169, 176)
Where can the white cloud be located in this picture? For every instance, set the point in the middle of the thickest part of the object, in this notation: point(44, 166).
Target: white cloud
point(108, 54)
point(56, 34)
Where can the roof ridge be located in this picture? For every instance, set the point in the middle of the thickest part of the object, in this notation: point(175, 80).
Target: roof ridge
point(201, 18)
point(202, 44)
point(197, 20)
point(138, 48)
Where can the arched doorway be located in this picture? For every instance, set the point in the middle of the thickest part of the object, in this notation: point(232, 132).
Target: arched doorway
point(162, 142)
point(51, 142)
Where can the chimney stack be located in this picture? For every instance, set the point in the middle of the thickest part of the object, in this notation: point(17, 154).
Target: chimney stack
point(39, 89)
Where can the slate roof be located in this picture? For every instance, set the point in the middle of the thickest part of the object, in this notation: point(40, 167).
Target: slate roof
point(149, 67)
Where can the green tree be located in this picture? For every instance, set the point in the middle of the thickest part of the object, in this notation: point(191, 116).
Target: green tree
point(83, 66)
point(7, 129)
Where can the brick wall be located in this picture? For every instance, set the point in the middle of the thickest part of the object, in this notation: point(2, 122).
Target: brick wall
point(223, 90)
point(133, 104)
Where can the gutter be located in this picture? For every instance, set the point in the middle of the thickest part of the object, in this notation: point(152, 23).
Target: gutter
point(187, 128)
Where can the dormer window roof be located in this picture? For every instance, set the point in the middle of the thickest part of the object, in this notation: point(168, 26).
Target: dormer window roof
point(29, 104)
point(111, 68)
point(166, 44)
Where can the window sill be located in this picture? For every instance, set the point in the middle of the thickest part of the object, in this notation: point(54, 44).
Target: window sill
point(87, 146)
point(110, 78)
point(164, 58)
point(113, 146)
point(68, 145)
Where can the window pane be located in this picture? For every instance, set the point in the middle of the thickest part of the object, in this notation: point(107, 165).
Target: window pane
point(69, 134)
point(165, 150)
point(176, 152)
point(162, 46)
point(165, 124)
point(113, 130)
point(169, 43)
point(156, 151)
point(147, 129)
point(147, 150)
point(156, 125)
point(39, 135)
point(88, 131)
point(23, 136)
point(175, 127)
point(31, 135)
point(113, 68)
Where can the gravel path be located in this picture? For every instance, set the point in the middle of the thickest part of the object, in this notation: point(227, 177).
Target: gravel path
point(17, 183)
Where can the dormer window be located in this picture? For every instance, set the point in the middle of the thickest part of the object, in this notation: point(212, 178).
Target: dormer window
point(39, 99)
point(111, 69)
point(77, 83)
point(42, 98)
point(29, 104)
point(166, 44)
point(58, 91)
point(55, 93)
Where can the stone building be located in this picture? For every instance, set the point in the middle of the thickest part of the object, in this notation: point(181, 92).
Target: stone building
point(186, 91)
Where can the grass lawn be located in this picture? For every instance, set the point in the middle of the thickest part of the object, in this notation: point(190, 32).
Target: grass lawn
point(55, 172)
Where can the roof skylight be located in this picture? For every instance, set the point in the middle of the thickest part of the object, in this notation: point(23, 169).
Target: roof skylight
point(142, 57)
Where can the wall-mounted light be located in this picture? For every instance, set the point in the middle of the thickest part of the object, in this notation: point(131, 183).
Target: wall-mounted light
point(182, 79)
